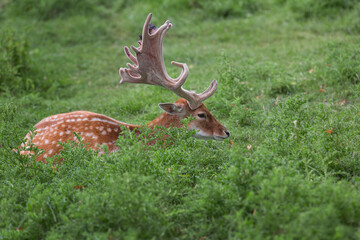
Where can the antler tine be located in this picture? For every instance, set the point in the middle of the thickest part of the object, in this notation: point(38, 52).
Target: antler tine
point(130, 56)
point(195, 100)
point(210, 91)
point(179, 81)
point(145, 30)
point(149, 66)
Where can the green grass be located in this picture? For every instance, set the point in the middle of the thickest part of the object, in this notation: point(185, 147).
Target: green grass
point(289, 86)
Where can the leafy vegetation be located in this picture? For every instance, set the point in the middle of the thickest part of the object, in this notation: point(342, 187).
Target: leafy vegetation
point(14, 62)
point(289, 86)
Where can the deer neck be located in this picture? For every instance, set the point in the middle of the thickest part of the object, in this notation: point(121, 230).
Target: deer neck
point(166, 120)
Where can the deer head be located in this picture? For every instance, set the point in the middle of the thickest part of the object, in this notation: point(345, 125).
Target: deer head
point(148, 68)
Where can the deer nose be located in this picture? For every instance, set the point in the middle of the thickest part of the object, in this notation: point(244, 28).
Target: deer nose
point(227, 133)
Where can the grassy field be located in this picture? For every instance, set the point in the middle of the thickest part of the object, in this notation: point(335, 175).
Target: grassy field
point(289, 86)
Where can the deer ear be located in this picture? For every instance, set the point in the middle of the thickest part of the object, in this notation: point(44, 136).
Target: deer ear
point(171, 108)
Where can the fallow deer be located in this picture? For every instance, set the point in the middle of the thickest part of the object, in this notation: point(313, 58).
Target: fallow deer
point(148, 68)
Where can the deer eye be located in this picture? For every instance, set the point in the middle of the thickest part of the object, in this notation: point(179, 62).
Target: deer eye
point(201, 115)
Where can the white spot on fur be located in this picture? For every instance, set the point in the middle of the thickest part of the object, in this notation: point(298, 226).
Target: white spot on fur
point(104, 120)
point(46, 141)
point(96, 119)
point(103, 132)
point(101, 128)
point(109, 129)
point(50, 151)
point(61, 133)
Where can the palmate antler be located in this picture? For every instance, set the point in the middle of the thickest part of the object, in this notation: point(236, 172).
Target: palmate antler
point(149, 67)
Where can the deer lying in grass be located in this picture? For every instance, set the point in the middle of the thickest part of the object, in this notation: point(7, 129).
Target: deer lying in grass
point(149, 68)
